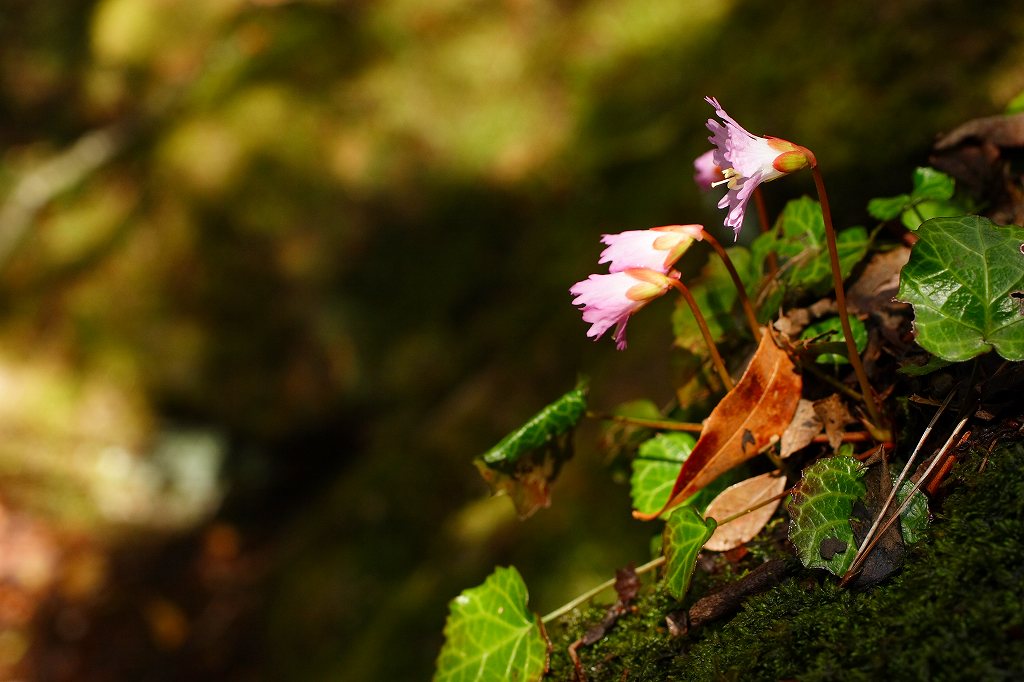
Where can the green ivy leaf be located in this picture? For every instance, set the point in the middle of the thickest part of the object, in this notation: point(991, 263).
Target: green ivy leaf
point(685, 533)
point(931, 197)
point(770, 296)
point(804, 249)
point(491, 635)
point(656, 467)
point(833, 327)
point(964, 278)
point(913, 217)
point(932, 184)
point(820, 512)
point(914, 519)
point(525, 462)
point(889, 208)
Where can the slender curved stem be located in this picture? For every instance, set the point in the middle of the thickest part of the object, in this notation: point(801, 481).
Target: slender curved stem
point(716, 357)
point(844, 319)
point(754, 508)
point(831, 381)
point(590, 594)
point(664, 424)
point(748, 309)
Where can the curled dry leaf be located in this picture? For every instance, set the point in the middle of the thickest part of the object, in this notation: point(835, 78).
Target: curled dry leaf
point(747, 419)
point(979, 155)
point(833, 414)
point(794, 321)
point(738, 498)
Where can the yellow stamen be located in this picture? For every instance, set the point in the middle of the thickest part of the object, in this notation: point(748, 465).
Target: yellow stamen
point(732, 179)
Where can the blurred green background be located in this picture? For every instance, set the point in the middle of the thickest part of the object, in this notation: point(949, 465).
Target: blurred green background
point(272, 273)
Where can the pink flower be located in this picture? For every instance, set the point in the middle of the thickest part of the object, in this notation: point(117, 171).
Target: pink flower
point(747, 160)
point(608, 300)
point(705, 171)
point(656, 249)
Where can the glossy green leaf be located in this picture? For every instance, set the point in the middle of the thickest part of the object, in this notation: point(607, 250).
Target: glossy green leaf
point(685, 533)
point(830, 329)
point(491, 634)
point(820, 513)
point(932, 184)
point(525, 462)
point(656, 467)
point(888, 208)
point(965, 279)
point(926, 210)
point(804, 252)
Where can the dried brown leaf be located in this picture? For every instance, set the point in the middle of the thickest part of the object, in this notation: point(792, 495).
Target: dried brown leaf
point(749, 417)
point(795, 320)
point(888, 554)
point(833, 414)
point(805, 426)
point(738, 498)
point(877, 285)
point(1002, 131)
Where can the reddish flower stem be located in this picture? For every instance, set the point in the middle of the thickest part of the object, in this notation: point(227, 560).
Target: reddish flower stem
point(844, 319)
point(748, 309)
point(716, 357)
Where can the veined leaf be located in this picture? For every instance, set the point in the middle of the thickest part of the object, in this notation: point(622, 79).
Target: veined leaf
point(491, 634)
point(758, 409)
point(805, 251)
point(820, 513)
point(525, 462)
point(932, 184)
point(914, 519)
point(655, 468)
point(889, 207)
point(685, 533)
point(965, 279)
point(738, 498)
point(921, 211)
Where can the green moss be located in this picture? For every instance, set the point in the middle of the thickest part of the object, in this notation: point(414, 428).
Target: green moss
point(953, 612)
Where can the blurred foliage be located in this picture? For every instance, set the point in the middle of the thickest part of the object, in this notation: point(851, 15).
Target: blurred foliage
point(337, 237)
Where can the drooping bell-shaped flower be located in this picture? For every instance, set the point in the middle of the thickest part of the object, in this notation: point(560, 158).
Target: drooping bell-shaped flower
point(747, 160)
point(705, 171)
point(656, 249)
point(609, 300)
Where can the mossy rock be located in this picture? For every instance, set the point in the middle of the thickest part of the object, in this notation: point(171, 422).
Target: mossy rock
point(953, 612)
